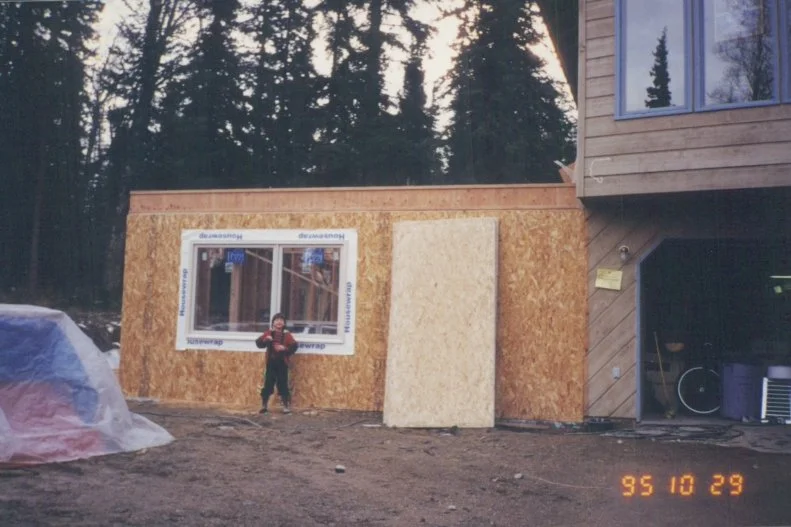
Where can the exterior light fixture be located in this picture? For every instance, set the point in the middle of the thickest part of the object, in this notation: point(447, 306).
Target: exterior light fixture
point(624, 253)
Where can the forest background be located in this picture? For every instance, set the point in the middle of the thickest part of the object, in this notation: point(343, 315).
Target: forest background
point(202, 94)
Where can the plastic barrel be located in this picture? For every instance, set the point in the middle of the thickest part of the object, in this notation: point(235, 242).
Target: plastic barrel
point(741, 391)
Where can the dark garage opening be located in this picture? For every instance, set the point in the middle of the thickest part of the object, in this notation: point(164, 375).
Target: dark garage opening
point(732, 294)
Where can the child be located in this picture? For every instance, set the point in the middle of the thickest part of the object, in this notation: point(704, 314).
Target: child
point(280, 346)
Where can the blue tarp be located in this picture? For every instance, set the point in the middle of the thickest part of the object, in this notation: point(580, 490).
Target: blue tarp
point(35, 349)
point(59, 397)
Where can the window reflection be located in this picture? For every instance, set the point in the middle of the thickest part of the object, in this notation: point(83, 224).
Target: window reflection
point(234, 286)
point(653, 51)
point(738, 47)
point(788, 50)
point(310, 278)
point(232, 289)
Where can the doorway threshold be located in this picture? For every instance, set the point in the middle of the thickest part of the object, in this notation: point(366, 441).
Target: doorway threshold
point(686, 420)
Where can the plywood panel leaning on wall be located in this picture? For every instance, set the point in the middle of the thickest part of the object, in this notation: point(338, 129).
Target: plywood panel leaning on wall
point(441, 342)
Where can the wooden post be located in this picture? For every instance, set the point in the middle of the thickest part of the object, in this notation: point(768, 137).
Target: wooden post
point(202, 291)
point(235, 298)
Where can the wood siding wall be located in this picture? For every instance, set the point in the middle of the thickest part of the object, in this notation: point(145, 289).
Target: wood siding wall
point(641, 224)
point(541, 294)
point(728, 149)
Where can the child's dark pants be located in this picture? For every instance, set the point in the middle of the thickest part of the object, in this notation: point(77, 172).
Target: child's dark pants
point(276, 374)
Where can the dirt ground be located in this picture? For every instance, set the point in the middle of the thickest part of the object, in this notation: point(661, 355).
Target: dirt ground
point(236, 469)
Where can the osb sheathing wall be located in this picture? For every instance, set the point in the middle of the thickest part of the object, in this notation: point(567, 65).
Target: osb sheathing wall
point(451, 309)
point(541, 294)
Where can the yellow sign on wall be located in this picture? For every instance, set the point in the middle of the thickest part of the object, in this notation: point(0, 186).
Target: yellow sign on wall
point(609, 279)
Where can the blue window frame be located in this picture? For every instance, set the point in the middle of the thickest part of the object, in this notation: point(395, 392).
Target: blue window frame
point(785, 47)
point(741, 55)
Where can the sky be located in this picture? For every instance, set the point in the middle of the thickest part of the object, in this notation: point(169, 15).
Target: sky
point(438, 62)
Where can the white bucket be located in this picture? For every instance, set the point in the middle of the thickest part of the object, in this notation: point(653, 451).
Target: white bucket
point(779, 372)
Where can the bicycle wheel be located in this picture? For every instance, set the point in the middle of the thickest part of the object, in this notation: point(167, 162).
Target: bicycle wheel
point(699, 390)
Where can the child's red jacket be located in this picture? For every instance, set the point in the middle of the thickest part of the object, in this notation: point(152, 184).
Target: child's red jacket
point(278, 337)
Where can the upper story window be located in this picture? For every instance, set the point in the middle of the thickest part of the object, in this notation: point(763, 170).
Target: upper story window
point(677, 56)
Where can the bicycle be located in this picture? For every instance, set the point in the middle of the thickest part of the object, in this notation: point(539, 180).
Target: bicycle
point(699, 387)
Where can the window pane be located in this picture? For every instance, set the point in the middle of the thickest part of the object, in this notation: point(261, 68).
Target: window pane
point(310, 289)
point(652, 50)
point(739, 51)
point(233, 289)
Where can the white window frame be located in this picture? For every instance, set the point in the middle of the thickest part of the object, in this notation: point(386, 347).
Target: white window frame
point(340, 344)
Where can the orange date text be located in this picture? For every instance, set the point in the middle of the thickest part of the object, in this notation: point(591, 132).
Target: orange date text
point(685, 485)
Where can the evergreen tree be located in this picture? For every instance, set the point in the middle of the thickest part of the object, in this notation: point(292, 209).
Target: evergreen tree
point(659, 94)
point(507, 125)
point(377, 130)
point(359, 131)
point(43, 51)
point(336, 158)
point(207, 131)
point(141, 64)
point(417, 162)
point(285, 87)
point(16, 198)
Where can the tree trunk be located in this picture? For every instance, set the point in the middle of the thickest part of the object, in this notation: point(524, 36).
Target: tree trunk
point(161, 22)
point(35, 234)
point(374, 63)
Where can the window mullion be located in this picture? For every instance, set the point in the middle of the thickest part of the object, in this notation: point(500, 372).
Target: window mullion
point(277, 281)
point(341, 300)
point(784, 25)
point(192, 288)
point(692, 11)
